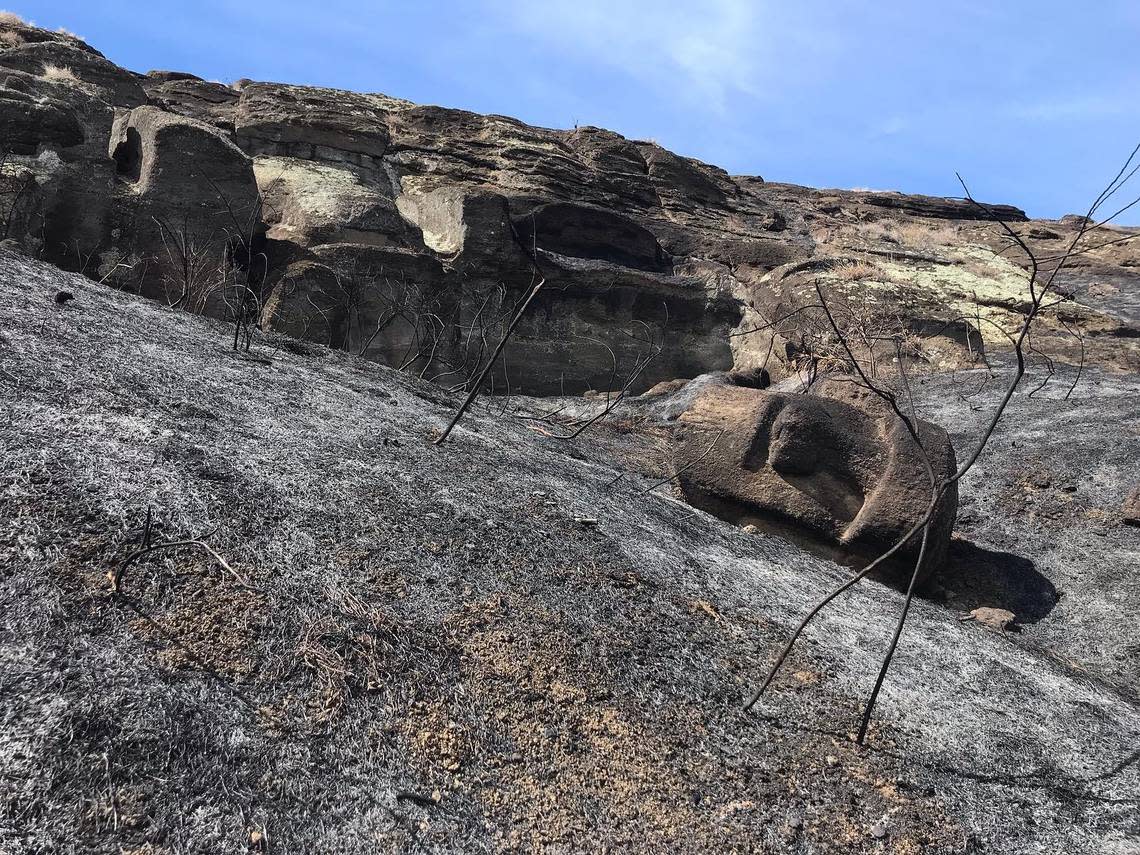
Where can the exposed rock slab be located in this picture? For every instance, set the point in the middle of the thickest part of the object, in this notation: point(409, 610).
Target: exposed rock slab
point(308, 202)
point(191, 96)
point(301, 121)
point(491, 198)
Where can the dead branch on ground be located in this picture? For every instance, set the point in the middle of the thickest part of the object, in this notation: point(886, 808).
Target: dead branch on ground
point(115, 575)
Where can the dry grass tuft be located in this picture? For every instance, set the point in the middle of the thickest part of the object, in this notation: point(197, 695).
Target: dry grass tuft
point(60, 74)
point(856, 271)
point(925, 234)
point(12, 19)
point(10, 39)
point(913, 234)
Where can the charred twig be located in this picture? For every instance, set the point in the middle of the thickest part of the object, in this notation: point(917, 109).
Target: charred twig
point(1076, 333)
point(478, 385)
point(417, 799)
point(115, 575)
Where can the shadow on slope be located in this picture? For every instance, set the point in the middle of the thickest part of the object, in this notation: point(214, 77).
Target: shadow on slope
point(975, 577)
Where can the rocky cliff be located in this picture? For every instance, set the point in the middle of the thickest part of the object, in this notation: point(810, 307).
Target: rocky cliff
point(406, 233)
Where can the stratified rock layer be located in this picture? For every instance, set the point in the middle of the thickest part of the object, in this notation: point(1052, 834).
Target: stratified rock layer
point(416, 229)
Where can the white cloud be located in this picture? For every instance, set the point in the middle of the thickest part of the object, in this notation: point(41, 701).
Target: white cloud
point(703, 52)
point(889, 127)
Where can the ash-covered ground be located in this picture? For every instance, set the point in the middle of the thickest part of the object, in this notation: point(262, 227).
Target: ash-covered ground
point(501, 644)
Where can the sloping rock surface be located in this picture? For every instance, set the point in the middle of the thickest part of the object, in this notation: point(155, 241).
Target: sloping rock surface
point(425, 649)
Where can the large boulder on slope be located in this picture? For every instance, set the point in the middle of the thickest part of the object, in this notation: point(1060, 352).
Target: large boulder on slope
point(849, 475)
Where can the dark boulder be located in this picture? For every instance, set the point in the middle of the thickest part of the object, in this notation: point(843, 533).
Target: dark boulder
point(377, 301)
point(166, 76)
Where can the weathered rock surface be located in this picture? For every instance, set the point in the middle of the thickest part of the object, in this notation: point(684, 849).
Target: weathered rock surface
point(313, 124)
point(57, 193)
point(932, 206)
point(307, 203)
point(30, 122)
point(853, 477)
point(427, 651)
point(580, 231)
point(624, 227)
point(191, 96)
point(999, 620)
point(188, 205)
point(35, 51)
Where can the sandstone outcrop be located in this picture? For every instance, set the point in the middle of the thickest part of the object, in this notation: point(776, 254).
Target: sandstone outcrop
point(31, 122)
point(639, 243)
point(580, 231)
point(191, 96)
point(56, 193)
point(309, 202)
point(310, 123)
point(188, 207)
point(76, 63)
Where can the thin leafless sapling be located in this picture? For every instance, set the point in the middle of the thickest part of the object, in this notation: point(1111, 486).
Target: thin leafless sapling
point(1043, 295)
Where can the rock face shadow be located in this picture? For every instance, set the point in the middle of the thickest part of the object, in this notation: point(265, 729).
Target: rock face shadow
point(974, 577)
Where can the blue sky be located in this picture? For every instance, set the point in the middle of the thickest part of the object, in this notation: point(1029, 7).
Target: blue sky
point(1035, 103)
